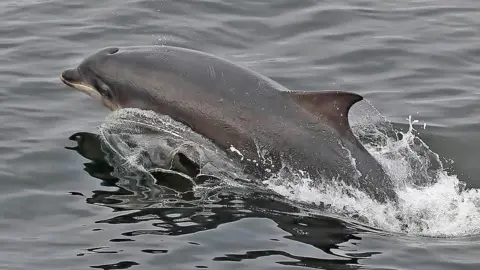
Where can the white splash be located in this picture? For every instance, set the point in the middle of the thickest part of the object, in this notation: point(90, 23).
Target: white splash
point(236, 151)
point(441, 207)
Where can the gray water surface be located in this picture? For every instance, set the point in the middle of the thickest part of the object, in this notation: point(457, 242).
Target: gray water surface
point(418, 58)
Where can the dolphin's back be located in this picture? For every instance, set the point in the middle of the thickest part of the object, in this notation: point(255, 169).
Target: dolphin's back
point(209, 91)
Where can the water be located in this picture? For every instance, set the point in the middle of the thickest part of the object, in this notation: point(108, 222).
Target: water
point(407, 58)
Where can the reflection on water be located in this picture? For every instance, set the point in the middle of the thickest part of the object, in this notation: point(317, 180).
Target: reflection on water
point(176, 211)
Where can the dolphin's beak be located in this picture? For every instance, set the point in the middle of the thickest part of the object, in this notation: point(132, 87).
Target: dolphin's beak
point(73, 78)
point(70, 77)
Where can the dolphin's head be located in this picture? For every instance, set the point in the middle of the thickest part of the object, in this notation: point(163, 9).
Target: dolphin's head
point(89, 78)
point(103, 77)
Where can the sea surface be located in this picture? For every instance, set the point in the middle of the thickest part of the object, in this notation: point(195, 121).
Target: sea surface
point(417, 63)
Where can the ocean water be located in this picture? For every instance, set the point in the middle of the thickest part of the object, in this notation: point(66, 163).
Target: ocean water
point(415, 62)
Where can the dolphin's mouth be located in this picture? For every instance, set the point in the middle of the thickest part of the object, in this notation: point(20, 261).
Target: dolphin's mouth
point(73, 78)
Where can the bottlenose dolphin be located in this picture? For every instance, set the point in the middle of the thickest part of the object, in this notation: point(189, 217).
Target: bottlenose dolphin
point(263, 123)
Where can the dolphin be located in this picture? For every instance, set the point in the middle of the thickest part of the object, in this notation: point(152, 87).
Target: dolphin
point(259, 122)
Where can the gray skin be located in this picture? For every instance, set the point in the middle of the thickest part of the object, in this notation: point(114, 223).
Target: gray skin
point(235, 106)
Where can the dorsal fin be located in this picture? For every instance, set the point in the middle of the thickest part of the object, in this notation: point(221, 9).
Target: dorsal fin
point(332, 107)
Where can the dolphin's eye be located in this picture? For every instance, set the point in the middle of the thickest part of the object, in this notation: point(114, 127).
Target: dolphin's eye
point(104, 90)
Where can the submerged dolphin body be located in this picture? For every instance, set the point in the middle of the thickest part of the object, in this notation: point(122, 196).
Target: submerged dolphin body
point(238, 109)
